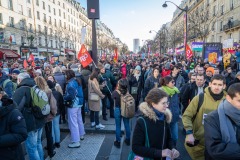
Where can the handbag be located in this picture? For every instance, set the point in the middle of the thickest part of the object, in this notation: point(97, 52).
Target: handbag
point(94, 96)
point(68, 104)
point(132, 155)
point(134, 90)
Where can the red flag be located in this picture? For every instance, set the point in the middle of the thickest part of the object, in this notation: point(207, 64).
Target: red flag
point(33, 64)
point(31, 58)
point(115, 58)
point(52, 60)
point(84, 57)
point(189, 52)
point(25, 64)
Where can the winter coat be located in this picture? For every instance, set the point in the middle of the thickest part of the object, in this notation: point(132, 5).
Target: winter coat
point(124, 70)
point(74, 93)
point(229, 77)
point(109, 79)
point(60, 79)
point(209, 105)
point(133, 82)
point(22, 97)
point(215, 149)
point(93, 87)
point(158, 133)
point(13, 132)
point(238, 56)
point(165, 72)
point(179, 81)
point(53, 106)
point(236, 80)
point(85, 73)
point(59, 98)
point(9, 86)
point(150, 84)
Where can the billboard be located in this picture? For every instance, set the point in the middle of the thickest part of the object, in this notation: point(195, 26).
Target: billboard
point(212, 52)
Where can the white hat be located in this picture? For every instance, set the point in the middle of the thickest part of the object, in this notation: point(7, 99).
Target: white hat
point(38, 71)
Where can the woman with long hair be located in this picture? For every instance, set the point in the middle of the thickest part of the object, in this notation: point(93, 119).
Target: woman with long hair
point(74, 97)
point(56, 85)
point(168, 86)
point(94, 105)
point(42, 84)
point(122, 89)
point(154, 124)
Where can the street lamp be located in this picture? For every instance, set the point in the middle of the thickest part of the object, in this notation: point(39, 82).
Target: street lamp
point(185, 19)
point(157, 33)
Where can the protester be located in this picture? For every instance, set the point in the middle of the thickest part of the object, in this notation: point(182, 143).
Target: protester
point(222, 133)
point(56, 85)
point(156, 118)
point(6, 84)
point(193, 116)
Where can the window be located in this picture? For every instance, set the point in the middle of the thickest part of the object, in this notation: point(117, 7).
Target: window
point(60, 12)
point(221, 25)
point(22, 39)
point(37, 2)
point(49, 9)
point(11, 21)
point(54, 1)
point(66, 44)
point(212, 40)
point(39, 29)
point(44, 17)
point(50, 20)
point(30, 27)
point(51, 43)
point(29, 13)
point(43, 5)
point(20, 9)
point(1, 20)
point(63, 6)
point(45, 30)
point(58, 3)
point(40, 41)
point(54, 11)
point(64, 15)
point(55, 22)
point(0, 3)
point(60, 23)
point(222, 9)
point(10, 5)
point(231, 5)
point(56, 44)
point(50, 31)
point(230, 35)
point(46, 42)
point(28, 1)
point(220, 38)
point(22, 24)
point(214, 10)
point(64, 25)
point(68, 18)
point(38, 15)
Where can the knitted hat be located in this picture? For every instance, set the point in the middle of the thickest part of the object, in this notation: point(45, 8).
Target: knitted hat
point(138, 68)
point(211, 69)
point(191, 66)
point(38, 71)
point(16, 71)
point(107, 66)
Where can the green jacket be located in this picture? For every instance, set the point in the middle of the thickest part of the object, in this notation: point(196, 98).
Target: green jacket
point(109, 79)
point(209, 105)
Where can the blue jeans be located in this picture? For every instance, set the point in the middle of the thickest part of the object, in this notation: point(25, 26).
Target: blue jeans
point(56, 129)
point(174, 131)
point(34, 145)
point(118, 120)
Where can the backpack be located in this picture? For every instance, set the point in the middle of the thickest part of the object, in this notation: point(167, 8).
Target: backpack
point(6, 82)
point(40, 104)
point(200, 102)
point(127, 105)
point(116, 73)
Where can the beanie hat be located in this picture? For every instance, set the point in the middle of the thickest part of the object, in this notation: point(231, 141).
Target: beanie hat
point(211, 69)
point(107, 66)
point(38, 71)
point(167, 65)
point(16, 71)
point(138, 68)
point(191, 66)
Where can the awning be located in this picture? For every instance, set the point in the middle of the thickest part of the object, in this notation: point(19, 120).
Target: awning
point(7, 53)
point(70, 53)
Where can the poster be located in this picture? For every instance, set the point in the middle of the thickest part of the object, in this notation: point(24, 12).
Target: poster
point(212, 52)
point(197, 46)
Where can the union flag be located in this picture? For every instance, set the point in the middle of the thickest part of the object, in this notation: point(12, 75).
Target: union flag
point(84, 57)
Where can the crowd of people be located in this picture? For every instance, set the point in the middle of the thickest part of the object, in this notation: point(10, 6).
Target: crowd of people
point(206, 97)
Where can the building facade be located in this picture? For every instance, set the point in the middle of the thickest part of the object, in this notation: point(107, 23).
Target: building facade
point(136, 45)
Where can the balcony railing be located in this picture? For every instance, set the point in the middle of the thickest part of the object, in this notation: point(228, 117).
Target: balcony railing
point(232, 25)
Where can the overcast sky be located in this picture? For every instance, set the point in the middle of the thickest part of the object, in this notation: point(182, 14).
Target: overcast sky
point(130, 19)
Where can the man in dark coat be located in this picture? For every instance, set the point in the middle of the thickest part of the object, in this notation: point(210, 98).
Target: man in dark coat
point(222, 128)
point(13, 130)
point(22, 97)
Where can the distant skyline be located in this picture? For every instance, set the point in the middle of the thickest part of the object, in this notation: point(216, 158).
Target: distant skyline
point(133, 19)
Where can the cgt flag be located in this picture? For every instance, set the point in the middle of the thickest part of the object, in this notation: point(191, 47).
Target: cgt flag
point(31, 58)
point(189, 52)
point(25, 64)
point(115, 58)
point(84, 57)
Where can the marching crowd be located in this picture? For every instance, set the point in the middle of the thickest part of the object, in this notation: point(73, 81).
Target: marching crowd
point(206, 97)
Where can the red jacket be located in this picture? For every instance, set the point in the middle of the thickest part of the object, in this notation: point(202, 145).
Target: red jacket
point(165, 72)
point(124, 71)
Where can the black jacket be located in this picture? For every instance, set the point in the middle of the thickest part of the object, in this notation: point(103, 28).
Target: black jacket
point(133, 82)
point(215, 149)
point(13, 132)
point(158, 135)
point(236, 80)
point(149, 84)
point(59, 98)
point(22, 97)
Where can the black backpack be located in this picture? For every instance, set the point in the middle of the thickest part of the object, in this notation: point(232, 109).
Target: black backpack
point(200, 102)
point(116, 73)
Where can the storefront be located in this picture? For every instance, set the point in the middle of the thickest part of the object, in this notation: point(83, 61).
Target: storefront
point(8, 54)
point(70, 54)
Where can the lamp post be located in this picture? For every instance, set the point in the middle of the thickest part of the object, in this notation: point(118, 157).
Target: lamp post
point(157, 33)
point(185, 19)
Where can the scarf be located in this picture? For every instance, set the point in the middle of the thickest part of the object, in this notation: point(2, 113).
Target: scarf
point(227, 111)
point(170, 91)
point(216, 97)
point(137, 76)
point(160, 115)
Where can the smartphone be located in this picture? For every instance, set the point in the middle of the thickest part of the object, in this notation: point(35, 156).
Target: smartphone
point(196, 142)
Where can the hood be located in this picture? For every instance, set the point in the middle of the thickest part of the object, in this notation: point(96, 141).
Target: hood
point(6, 109)
point(148, 112)
point(3, 78)
point(27, 82)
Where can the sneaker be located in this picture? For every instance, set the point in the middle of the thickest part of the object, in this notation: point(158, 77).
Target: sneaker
point(93, 124)
point(117, 144)
point(82, 138)
point(100, 126)
point(57, 145)
point(74, 145)
point(127, 142)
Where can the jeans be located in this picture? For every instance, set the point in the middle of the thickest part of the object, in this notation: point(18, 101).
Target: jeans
point(104, 105)
point(56, 129)
point(34, 145)
point(48, 131)
point(174, 132)
point(94, 117)
point(75, 123)
point(118, 120)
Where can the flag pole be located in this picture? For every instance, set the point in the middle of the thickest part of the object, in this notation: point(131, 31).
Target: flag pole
point(102, 78)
